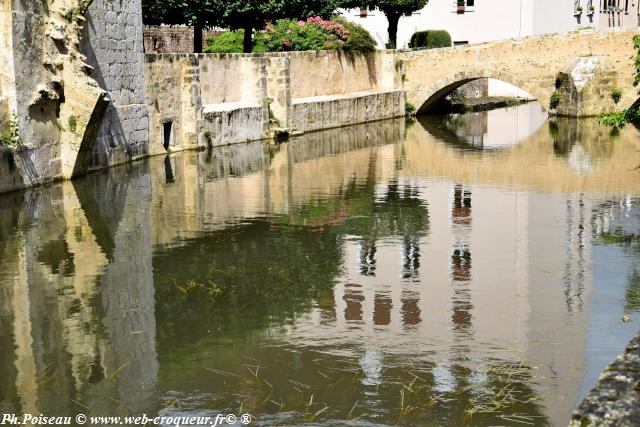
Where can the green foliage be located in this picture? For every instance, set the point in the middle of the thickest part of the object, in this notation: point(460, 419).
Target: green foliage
point(554, 100)
point(430, 39)
point(232, 42)
point(289, 35)
point(313, 34)
point(619, 119)
point(359, 40)
point(10, 133)
point(616, 95)
point(73, 123)
point(233, 14)
point(409, 109)
point(636, 46)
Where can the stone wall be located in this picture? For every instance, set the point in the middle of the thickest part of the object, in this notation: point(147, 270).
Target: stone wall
point(173, 39)
point(326, 112)
point(217, 99)
point(615, 401)
point(113, 46)
point(474, 89)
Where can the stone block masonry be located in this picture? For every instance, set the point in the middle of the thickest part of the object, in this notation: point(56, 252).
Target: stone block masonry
point(113, 47)
point(615, 402)
point(173, 38)
point(218, 99)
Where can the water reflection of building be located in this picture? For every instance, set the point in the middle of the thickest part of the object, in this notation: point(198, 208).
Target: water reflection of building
point(493, 270)
point(78, 324)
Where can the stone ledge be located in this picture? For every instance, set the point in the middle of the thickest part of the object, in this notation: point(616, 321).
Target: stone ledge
point(226, 107)
point(351, 95)
point(616, 399)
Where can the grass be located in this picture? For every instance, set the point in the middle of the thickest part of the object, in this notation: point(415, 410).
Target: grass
point(10, 134)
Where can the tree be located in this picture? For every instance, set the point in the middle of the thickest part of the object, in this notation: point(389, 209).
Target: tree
point(393, 10)
point(198, 13)
point(234, 14)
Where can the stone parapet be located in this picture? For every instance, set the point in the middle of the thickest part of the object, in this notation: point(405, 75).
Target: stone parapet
point(331, 111)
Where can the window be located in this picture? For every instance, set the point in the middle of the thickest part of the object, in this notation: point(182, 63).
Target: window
point(467, 5)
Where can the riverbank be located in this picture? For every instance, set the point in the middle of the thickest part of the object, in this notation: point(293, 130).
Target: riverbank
point(616, 399)
point(483, 103)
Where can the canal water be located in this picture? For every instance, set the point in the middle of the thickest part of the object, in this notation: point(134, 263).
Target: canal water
point(460, 270)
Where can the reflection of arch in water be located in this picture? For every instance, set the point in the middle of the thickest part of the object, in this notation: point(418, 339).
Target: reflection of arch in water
point(496, 129)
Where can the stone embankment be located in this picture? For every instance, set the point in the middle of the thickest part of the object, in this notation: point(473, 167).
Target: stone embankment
point(200, 100)
point(615, 401)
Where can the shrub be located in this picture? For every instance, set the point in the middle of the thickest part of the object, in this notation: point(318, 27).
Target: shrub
point(359, 39)
point(409, 109)
point(231, 42)
point(616, 95)
point(430, 39)
point(9, 133)
point(619, 119)
point(290, 35)
point(555, 100)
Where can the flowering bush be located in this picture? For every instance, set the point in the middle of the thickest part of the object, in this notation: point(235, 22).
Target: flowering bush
point(312, 34)
point(290, 35)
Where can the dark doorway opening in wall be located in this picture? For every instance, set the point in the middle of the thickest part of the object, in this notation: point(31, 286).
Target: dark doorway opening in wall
point(166, 134)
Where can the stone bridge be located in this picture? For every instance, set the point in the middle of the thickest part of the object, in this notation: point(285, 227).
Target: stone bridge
point(583, 67)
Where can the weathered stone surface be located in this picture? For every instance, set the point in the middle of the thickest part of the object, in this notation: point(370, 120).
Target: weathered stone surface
point(231, 123)
point(532, 64)
point(616, 399)
point(113, 46)
point(205, 96)
point(330, 111)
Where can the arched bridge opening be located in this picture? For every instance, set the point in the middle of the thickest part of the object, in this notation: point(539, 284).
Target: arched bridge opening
point(473, 94)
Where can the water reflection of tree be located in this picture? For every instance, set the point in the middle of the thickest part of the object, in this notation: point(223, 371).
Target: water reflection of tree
point(568, 133)
point(631, 242)
point(242, 277)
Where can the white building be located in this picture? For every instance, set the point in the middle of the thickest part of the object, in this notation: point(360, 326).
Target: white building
point(487, 20)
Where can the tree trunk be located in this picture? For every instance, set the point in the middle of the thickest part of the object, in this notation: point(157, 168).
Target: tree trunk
point(197, 38)
point(393, 18)
point(247, 44)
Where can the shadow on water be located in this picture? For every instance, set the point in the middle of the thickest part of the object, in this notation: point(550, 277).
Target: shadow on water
point(340, 278)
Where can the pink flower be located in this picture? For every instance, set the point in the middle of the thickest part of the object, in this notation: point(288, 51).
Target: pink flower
point(289, 31)
point(301, 23)
point(287, 43)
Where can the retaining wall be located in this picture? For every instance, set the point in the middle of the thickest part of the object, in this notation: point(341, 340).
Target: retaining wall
point(217, 99)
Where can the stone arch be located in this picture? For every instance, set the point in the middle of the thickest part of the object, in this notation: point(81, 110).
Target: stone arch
point(425, 99)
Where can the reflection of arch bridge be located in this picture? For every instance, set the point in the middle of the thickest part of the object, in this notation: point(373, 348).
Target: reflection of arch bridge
point(583, 67)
